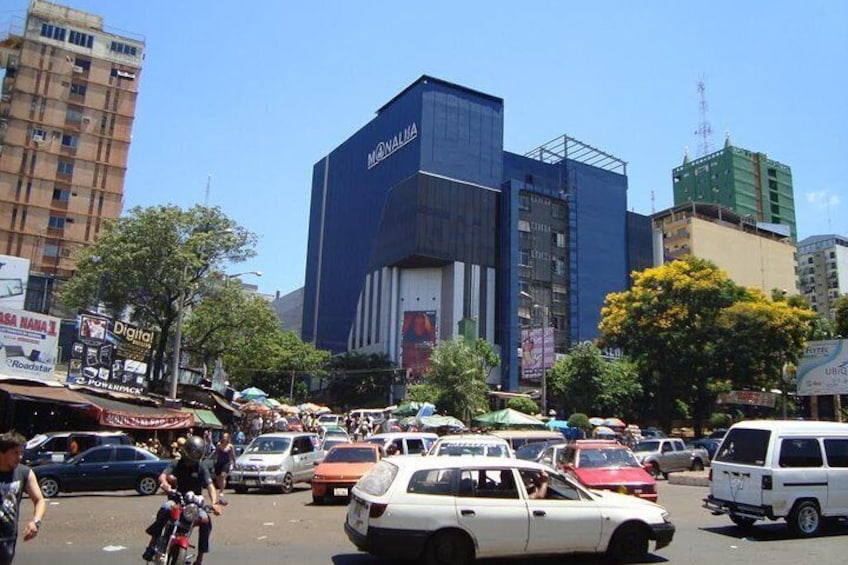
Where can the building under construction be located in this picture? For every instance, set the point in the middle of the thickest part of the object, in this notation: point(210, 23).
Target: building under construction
point(68, 102)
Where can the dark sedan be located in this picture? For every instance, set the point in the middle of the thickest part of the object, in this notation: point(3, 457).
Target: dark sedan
point(108, 467)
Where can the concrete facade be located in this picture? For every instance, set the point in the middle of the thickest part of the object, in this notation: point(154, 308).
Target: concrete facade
point(823, 271)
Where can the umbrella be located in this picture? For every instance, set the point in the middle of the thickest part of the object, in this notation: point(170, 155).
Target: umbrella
point(252, 393)
point(613, 423)
point(596, 421)
point(271, 403)
point(438, 422)
point(508, 418)
point(602, 431)
point(558, 424)
point(406, 409)
point(286, 409)
point(323, 410)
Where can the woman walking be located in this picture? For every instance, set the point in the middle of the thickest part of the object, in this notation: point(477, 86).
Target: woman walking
point(225, 456)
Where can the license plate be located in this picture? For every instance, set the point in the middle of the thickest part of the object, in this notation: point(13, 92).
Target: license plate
point(251, 482)
point(340, 492)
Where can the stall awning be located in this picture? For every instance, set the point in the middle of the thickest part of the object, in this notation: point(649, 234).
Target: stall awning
point(117, 414)
point(204, 418)
point(57, 395)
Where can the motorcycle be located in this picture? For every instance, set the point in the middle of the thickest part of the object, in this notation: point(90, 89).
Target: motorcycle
point(173, 546)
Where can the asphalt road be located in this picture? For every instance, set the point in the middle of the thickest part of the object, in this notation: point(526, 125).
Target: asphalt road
point(95, 529)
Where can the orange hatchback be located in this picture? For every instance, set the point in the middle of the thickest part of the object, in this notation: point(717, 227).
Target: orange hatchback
point(341, 469)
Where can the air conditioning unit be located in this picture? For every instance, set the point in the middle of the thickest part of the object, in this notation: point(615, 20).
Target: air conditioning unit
point(78, 69)
point(38, 138)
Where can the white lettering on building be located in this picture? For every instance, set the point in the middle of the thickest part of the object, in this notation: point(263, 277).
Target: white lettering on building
point(385, 148)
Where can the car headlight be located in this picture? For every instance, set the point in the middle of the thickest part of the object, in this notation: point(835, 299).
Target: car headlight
point(272, 468)
point(666, 517)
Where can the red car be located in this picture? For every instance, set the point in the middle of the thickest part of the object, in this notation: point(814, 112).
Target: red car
point(607, 465)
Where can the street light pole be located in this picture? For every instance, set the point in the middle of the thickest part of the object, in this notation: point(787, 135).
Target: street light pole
point(178, 337)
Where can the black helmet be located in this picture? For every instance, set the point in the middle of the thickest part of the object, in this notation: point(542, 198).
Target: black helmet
point(193, 449)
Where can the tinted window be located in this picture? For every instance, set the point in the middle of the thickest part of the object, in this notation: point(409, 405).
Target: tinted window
point(268, 445)
point(439, 482)
point(304, 445)
point(488, 483)
point(55, 444)
point(96, 456)
point(378, 480)
point(125, 454)
point(414, 446)
point(800, 452)
point(351, 455)
point(744, 446)
point(837, 452)
point(112, 440)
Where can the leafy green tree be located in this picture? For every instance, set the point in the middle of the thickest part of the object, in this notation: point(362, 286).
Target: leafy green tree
point(580, 420)
point(576, 380)
point(358, 380)
point(840, 320)
point(458, 371)
point(620, 391)
point(524, 405)
point(149, 261)
point(422, 392)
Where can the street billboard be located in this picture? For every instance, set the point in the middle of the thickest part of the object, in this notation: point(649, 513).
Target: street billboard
point(823, 369)
point(14, 274)
point(537, 352)
point(418, 337)
point(111, 354)
point(28, 344)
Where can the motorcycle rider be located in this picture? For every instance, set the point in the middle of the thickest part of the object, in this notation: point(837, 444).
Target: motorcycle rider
point(192, 476)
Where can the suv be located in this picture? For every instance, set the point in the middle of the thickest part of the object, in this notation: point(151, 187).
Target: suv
point(276, 461)
point(55, 447)
point(471, 444)
point(456, 509)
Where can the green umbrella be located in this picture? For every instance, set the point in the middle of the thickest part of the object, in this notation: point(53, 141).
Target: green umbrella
point(407, 409)
point(507, 418)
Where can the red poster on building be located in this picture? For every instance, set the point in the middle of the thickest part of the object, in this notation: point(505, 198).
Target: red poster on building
point(418, 337)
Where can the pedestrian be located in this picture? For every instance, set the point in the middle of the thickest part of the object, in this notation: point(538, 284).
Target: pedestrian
point(225, 456)
point(15, 480)
point(239, 437)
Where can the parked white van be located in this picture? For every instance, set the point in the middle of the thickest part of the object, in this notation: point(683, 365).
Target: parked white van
point(781, 469)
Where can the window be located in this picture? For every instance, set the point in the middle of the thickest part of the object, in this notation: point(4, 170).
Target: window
point(524, 258)
point(524, 226)
point(558, 239)
point(51, 250)
point(744, 446)
point(38, 135)
point(61, 194)
point(772, 184)
point(57, 222)
point(65, 168)
point(775, 209)
point(377, 481)
point(414, 446)
point(84, 64)
point(78, 89)
point(558, 266)
point(837, 452)
point(302, 445)
point(53, 32)
point(524, 202)
point(558, 211)
point(125, 454)
point(97, 456)
point(73, 114)
point(123, 48)
point(488, 483)
point(81, 39)
point(800, 452)
point(439, 482)
point(116, 72)
point(772, 172)
point(70, 141)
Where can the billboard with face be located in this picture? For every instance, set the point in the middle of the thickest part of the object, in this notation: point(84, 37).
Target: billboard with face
point(418, 337)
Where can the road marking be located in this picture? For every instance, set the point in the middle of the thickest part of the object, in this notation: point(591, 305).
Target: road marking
point(114, 548)
point(268, 523)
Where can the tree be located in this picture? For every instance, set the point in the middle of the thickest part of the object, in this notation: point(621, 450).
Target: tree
point(840, 319)
point(523, 404)
point(359, 380)
point(458, 371)
point(422, 392)
point(620, 391)
point(148, 262)
point(580, 421)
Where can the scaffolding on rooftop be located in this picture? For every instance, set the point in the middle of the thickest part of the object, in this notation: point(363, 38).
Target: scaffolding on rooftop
point(565, 147)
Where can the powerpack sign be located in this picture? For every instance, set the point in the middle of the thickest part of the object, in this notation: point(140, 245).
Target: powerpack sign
point(28, 344)
point(823, 369)
point(111, 355)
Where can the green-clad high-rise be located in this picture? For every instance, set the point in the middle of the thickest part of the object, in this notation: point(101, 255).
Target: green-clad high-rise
point(749, 183)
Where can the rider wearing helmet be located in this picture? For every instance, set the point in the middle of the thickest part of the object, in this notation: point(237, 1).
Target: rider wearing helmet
point(192, 476)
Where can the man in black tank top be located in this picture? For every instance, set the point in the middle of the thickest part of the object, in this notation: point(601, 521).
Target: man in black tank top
point(16, 479)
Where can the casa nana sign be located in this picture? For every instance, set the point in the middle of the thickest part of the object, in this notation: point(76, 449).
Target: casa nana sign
point(386, 148)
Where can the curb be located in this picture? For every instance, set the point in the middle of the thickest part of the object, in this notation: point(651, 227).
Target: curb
point(692, 479)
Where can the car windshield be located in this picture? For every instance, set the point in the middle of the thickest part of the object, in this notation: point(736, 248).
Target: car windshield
point(351, 455)
point(647, 446)
point(594, 458)
point(492, 450)
point(268, 445)
point(531, 451)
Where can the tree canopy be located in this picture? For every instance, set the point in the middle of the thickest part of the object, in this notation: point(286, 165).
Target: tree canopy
point(458, 372)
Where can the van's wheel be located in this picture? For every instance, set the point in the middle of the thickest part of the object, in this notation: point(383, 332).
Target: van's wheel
point(742, 521)
point(805, 520)
point(288, 484)
point(147, 485)
point(49, 487)
point(697, 465)
point(240, 489)
point(629, 544)
point(448, 548)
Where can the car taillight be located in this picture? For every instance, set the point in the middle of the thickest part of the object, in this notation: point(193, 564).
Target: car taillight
point(377, 510)
point(175, 512)
point(767, 482)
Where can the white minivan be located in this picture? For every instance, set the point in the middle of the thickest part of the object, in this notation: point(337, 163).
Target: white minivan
point(276, 461)
point(794, 470)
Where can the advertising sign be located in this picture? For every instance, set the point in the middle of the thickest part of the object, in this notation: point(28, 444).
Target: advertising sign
point(537, 352)
point(748, 398)
point(28, 344)
point(823, 369)
point(418, 337)
point(111, 354)
point(14, 273)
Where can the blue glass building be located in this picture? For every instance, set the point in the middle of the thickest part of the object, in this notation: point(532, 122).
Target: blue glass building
point(423, 228)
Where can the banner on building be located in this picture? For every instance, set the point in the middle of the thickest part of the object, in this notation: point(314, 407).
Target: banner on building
point(28, 344)
point(823, 369)
point(748, 398)
point(418, 337)
point(537, 352)
point(14, 274)
point(111, 355)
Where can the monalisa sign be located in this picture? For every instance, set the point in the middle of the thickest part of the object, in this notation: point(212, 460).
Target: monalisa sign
point(385, 148)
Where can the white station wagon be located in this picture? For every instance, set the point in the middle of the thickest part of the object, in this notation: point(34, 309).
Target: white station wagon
point(452, 510)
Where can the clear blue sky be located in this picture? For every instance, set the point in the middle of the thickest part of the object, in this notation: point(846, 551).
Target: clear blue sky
point(255, 93)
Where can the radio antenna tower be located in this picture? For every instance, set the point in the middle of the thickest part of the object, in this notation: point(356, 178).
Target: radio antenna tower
point(704, 130)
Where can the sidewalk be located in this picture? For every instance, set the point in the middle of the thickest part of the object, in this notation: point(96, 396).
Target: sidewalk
point(690, 478)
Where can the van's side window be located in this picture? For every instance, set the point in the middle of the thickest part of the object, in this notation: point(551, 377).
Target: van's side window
point(414, 446)
point(800, 452)
point(837, 452)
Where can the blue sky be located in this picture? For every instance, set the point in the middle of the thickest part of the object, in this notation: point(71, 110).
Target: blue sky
point(255, 93)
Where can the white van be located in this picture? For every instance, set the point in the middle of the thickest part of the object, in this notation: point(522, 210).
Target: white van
point(276, 461)
point(781, 469)
point(406, 443)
